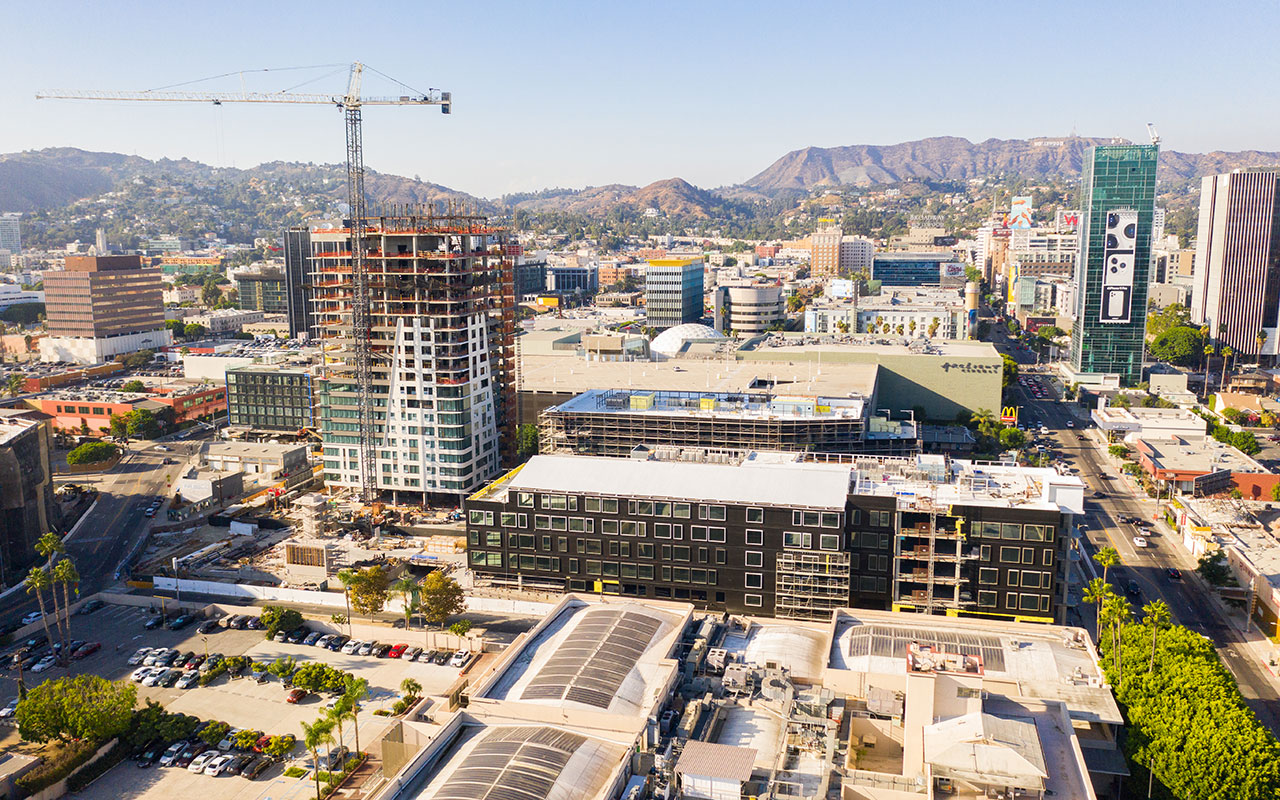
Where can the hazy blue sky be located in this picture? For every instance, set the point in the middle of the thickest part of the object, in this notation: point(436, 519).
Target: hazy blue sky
point(578, 93)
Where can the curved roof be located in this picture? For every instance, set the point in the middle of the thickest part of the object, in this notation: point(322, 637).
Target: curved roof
point(670, 341)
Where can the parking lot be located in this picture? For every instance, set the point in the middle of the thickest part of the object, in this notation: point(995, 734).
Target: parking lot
point(241, 703)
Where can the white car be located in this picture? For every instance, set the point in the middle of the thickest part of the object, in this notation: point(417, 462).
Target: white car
point(1070, 424)
point(1138, 541)
point(136, 658)
point(215, 767)
point(460, 658)
point(141, 673)
point(151, 658)
point(155, 677)
point(45, 663)
point(189, 678)
point(351, 647)
point(366, 648)
point(10, 709)
point(32, 618)
point(171, 755)
point(323, 641)
point(201, 761)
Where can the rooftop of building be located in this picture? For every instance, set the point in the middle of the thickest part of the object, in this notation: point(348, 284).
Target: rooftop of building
point(272, 369)
point(92, 395)
point(915, 255)
point(1135, 417)
point(1202, 454)
point(901, 296)
point(854, 345)
point(14, 422)
point(752, 406)
point(249, 449)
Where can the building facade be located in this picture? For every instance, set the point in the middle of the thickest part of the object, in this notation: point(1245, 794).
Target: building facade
point(262, 288)
point(1117, 188)
point(916, 269)
point(297, 279)
point(749, 309)
point(441, 319)
point(11, 233)
point(776, 535)
point(26, 490)
point(1236, 289)
point(673, 292)
point(103, 298)
point(271, 398)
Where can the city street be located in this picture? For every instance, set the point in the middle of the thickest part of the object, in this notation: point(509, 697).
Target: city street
point(1187, 597)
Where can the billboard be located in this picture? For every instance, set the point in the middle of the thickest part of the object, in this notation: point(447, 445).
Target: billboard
point(1067, 220)
point(1119, 250)
point(1020, 213)
point(951, 270)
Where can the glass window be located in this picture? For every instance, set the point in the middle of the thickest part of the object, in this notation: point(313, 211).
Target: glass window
point(716, 534)
point(578, 524)
point(1029, 602)
point(829, 541)
point(541, 522)
point(594, 567)
point(610, 505)
point(797, 539)
point(1048, 558)
point(753, 600)
point(591, 504)
point(661, 508)
point(698, 533)
point(475, 517)
point(991, 530)
point(1010, 530)
point(987, 599)
point(755, 537)
point(681, 510)
point(1033, 533)
point(525, 499)
point(755, 580)
point(754, 558)
point(609, 526)
point(1013, 577)
point(755, 515)
point(1010, 555)
point(830, 519)
point(662, 530)
point(1028, 555)
point(988, 576)
point(627, 528)
point(508, 519)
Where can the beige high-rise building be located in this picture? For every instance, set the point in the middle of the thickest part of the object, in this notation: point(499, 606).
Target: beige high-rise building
point(834, 255)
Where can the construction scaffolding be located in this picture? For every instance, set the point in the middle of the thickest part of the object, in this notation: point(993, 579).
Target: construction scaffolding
point(928, 553)
point(811, 585)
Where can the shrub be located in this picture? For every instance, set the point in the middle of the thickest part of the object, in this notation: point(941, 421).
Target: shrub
point(57, 767)
point(294, 772)
point(399, 707)
point(277, 618)
point(91, 453)
point(460, 627)
point(118, 752)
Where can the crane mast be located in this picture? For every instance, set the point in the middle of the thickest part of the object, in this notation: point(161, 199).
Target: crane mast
point(350, 104)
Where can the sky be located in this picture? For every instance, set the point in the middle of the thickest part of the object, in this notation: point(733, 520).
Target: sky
point(574, 94)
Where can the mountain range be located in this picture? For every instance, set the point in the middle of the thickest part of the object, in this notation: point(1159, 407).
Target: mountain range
point(55, 177)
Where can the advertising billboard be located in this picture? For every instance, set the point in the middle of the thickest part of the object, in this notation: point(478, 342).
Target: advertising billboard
point(1119, 252)
point(1020, 213)
point(1067, 220)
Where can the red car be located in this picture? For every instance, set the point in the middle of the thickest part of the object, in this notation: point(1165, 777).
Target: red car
point(86, 650)
point(397, 651)
point(296, 696)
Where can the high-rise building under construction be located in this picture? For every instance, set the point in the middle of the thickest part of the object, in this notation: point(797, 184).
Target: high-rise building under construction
point(441, 321)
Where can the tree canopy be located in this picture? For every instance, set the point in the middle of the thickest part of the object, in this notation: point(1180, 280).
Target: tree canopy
point(278, 618)
point(1172, 316)
point(134, 386)
point(1010, 375)
point(441, 598)
point(91, 453)
point(80, 707)
point(1182, 345)
point(369, 591)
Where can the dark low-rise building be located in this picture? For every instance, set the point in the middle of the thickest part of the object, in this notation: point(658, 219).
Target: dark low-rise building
point(271, 398)
point(778, 534)
point(26, 488)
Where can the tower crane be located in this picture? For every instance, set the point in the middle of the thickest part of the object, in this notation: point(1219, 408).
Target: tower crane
point(1151, 132)
point(350, 104)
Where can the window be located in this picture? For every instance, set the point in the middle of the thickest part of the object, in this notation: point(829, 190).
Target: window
point(559, 523)
point(555, 502)
point(829, 541)
point(609, 526)
point(984, 552)
point(591, 504)
point(629, 528)
point(808, 519)
point(1029, 602)
point(1033, 533)
point(714, 513)
point(716, 534)
point(1048, 558)
point(797, 539)
point(753, 600)
point(755, 537)
point(755, 580)
point(594, 547)
point(578, 524)
point(1044, 603)
point(594, 567)
point(1010, 531)
point(562, 544)
point(830, 519)
point(882, 519)
point(1013, 577)
point(755, 515)
point(988, 576)
point(698, 533)
point(475, 517)
point(1028, 555)
point(525, 499)
point(508, 519)
point(722, 557)
point(987, 599)
point(680, 553)
point(1010, 555)
point(661, 508)
point(609, 505)
point(989, 530)
point(754, 558)
point(644, 550)
point(541, 522)
point(642, 507)
point(662, 530)
point(681, 510)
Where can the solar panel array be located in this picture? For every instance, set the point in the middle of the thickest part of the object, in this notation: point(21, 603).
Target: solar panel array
point(591, 663)
point(512, 764)
point(891, 642)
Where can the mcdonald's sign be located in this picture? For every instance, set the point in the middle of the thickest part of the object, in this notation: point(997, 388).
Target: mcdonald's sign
point(1009, 415)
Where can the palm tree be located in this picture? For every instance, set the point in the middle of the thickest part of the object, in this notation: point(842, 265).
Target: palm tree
point(65, 573)
point(1097, 593)
point(356, 691)
point(37, 582)
point(1156, 615)
point(987, 423)
point(1208, 351)
point(1118, 613)
point(348, 578)
point(410, 687)
point(1227, 353)
point(338, 714)
point(314, 735)
point(1107, 557)
point(407, 588)
point(47, 545)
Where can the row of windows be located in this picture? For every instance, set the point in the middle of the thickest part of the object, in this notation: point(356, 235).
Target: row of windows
point(1012, 531)
point(1014, 601)
point(1027, 579)
point(1024, 555)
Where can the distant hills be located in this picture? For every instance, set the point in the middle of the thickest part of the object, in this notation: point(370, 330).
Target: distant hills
point(56, 177)
point(953, 158)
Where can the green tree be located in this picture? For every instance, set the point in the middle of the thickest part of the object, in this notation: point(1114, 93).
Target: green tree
point(1245, 442)
point(356, 691)
point(1174, 315)
point(315, 736)
point(1118, 450)
point(1181, 346)
point(215, 733)
point(1050, 332)
point(1227, 353)
point(16, 382)
point(407, 588)
point(1275, 491)
point(411, 688)
point(348, 580)
point(91, 453)
point(37, 582)
point(246, 739)
point(279, 618)
point(209, 292)
point(193, 331)
point(442, 597)
point(1107, 558)
point(81, 707)
point(369, 593)
point(278, 747)
point(1010, 373)
point(338, 715)
point(134, 386)
point(1097, 593)
point(65, 575)
point(48, 546)
point(283, 667)
point(461, 627)
point(119, 428)
point(527, 440)
point(986, 423)
point(141, 423)
point(1012, 438)
point(1155, 615)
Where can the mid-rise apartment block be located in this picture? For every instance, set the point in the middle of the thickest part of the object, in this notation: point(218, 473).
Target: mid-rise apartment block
point(99, 307)
point(1236, 289)
point(784, 535)
point(263, 288)
point(442, 312)
point(265, 397)
point(673, 289)
point(11, 233)
point(1117, 189)
point(835, 255)
point(297, 279)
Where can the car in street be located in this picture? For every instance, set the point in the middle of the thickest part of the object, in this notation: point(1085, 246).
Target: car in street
point(460, 658)
point(10, 709)
point(138, 655)
point(1139, 541)
point(32, 618)
point(1070, 424)
point(295, 696)
point(1132, 588)
point(91, 606)
point(45, 663)
point(256, 767)
point(1098, 495)
point(154, 622)
point(1174, 573)
point(85, 650)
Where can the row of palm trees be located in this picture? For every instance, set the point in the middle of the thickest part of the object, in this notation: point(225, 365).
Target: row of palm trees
point(408, 589)
point(1209, 350)
point(41, 579)
point(1114, 611)
point(320, 733)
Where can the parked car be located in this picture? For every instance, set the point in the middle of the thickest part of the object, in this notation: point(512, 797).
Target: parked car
point(295, 696)
point(85, 650)
point(181, 622)
point(297, 635)
point(381, 650)
point(172, 754)
point(412, 653)
point(171, 677)
point(218, 765)
point(212, 661)
point(254, 624)
point(140, 674)
point(208, 626)
point(194, 662)
point(460, 658)
point(236, 764)
point(397, 651)
point(150, 755)
point(10, 709)
point(312, 638)
point(229, 739)
point(339, 642)
point(154, 622)
point(138, 655)
point(203, 760)
point(91, 606)
point(155, 676)
point(441, 657)
point(45, 663)
point(188, 679)
point(333, 759)
point(256, 767)
point(190, 753)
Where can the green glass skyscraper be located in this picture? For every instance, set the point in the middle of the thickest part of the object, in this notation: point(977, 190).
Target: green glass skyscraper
point(1117, 196)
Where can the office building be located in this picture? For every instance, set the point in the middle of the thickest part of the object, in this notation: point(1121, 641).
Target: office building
point(262, 287)
point(917, 269)
point(748, 309)
point(834, 255)
point(1237, 261)
point(224, 321)
point(442, 313)
point(777, 534)
point(271, 398)
point(1117, 187)
point(11, 233)
point(923, 311)
point(297, 278)
point(27, 508)
point(572, 278)
point(673, 292)
point(615, 422)
point(100, 307)
point(531, 278)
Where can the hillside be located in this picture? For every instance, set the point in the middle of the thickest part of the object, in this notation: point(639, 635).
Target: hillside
point(954, 158)
point(674, 197)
